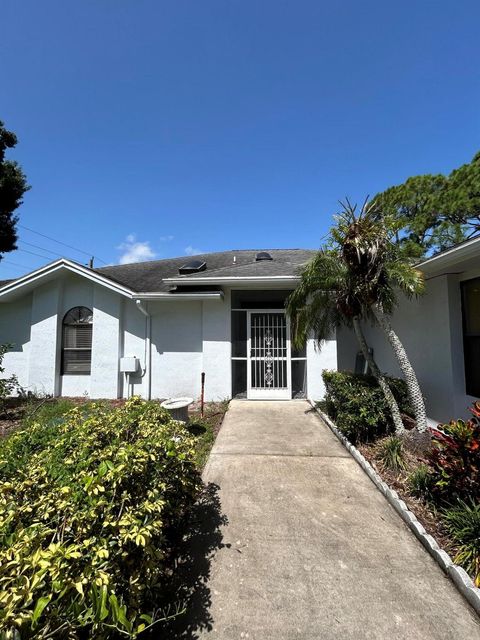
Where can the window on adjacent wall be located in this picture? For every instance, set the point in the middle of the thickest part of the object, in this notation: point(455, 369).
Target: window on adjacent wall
point(77, 341)
point(471, 335)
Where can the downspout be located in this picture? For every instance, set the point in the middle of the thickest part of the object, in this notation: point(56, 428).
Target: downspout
point(148, 348)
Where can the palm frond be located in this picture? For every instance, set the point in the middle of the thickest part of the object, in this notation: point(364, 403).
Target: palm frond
point(313, 306)
point(361, 269)
point(406, 277)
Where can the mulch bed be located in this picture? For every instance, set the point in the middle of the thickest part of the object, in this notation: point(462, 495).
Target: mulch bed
point(14, 410)
point(416, 446)
point(214, 412)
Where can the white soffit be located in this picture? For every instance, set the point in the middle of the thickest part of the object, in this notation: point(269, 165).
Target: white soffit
point(453, 259)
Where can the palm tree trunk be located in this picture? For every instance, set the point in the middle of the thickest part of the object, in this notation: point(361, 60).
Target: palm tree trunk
point(415, 393)
point(382, 382)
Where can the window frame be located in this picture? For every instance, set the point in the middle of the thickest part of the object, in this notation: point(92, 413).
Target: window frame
point(467, 339)
point(65, 349)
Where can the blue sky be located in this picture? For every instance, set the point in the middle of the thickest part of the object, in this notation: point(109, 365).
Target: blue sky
point(153, 128)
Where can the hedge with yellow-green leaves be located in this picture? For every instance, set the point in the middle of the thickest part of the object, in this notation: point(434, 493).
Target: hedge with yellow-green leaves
point(85, 503)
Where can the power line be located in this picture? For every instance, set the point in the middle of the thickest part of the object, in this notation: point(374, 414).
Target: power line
point(15, 264)
point(12, 267)
point(87, 253)
point(36, 246)
point(32, 253)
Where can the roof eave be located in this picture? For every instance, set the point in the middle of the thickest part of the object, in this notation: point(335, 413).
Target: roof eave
point(449, 258)
point(174, 296)
point(67, 265)
point(235, 280)
point(10, 289)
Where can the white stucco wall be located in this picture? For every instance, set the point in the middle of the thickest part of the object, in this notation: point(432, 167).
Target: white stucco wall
point(76, 292)
point(347, 348)
point(318, 359)
point(106, 343)
point(430, 328)
point(15, 319)
point(188, 337)
point(75, 386)
point(133, 345)
point(44, 339)
point(176, 348)
point(216, 332)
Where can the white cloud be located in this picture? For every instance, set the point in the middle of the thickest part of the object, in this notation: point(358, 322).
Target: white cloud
point(134, 251)
point(192, 251)
point(166, 238)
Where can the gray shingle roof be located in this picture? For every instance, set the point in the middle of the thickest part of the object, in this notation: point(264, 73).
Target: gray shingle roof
point(150, 276)
point(254, 269)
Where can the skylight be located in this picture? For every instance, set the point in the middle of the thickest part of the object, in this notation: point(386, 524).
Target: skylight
point(192, 266)
point(263, 255)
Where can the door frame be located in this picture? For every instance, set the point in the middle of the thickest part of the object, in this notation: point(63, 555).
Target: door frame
point(265, 394)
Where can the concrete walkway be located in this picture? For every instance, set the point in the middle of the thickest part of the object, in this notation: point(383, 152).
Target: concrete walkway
point(312, 549)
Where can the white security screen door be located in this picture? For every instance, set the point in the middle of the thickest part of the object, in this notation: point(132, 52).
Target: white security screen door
point(268, 367)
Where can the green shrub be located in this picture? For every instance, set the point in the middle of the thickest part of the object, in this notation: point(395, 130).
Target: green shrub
point(463, 524)
point(358, 406)
point(420, 481)
point(85, 506)
point(48, 410)
point(392, 455)
point(455, 459)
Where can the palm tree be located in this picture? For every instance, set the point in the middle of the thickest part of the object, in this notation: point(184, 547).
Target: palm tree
point(326, 300)
point(379, 271)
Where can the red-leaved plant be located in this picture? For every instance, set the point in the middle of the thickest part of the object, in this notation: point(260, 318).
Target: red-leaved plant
point(455, 459)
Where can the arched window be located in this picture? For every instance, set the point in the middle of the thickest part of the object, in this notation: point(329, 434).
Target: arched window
point(77, 341)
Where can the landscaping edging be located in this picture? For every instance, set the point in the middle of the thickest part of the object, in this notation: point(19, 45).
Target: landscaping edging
point(459, 576)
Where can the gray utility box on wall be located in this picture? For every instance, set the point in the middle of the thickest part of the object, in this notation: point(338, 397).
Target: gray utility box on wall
point(129, 364)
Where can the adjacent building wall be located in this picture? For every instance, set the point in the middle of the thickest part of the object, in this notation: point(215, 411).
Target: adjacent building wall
point(461, 399)
point(430, 328)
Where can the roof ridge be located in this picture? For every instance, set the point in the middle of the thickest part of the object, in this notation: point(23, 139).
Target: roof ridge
point(196, 256)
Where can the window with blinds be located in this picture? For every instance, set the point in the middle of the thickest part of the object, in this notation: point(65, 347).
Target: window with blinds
point(77, 341)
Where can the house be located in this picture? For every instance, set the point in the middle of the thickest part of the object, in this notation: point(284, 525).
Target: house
point(152, 328)
point(440, 331)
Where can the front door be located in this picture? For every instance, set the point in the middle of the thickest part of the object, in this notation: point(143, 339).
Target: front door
point(268, 349)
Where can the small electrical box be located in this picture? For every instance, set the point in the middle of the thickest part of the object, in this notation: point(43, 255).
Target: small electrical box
point(129, 364)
